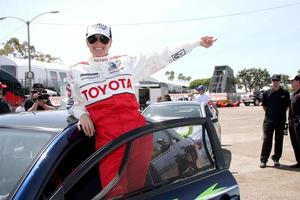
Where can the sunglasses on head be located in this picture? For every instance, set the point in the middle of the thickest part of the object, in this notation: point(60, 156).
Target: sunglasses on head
point(93, 39)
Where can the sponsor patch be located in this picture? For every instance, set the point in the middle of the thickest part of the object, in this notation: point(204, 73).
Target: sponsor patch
point(114, 66)
point(98, 91)
point(178, 54)
point(89, 76)
point(100, 60)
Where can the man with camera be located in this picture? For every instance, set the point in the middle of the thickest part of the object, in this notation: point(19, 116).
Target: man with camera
point(39, 99)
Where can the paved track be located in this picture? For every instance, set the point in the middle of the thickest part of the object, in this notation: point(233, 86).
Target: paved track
point(241, 142)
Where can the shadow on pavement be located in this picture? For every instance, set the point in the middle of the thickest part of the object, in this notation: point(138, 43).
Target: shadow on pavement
point(227, 157)
point(286, 168)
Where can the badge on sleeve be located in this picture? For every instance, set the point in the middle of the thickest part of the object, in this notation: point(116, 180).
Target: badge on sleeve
point(178, 54)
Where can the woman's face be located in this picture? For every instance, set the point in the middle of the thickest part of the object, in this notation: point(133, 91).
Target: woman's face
point(98, 48)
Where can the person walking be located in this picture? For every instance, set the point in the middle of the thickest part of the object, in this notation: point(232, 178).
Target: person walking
point(275, 104)
point(294, 120)
point(105, 102)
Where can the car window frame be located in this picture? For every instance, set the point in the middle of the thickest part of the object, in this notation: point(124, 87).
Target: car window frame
point(35, 129)
point(80, 138)
point(209, 113)
point(86, 165)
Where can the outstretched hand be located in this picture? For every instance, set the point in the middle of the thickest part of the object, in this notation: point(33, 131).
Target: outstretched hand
point(207, 41)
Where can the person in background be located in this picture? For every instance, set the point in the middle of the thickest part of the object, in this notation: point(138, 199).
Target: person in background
point(164, 97)
point(294, 120)
point(39, 100)
point(105, 101)
point(4, 107)
point(21, 107)
point(200, 95)
point(275, 104)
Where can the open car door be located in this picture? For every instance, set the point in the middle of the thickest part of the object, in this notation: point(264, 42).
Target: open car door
point(159, 164)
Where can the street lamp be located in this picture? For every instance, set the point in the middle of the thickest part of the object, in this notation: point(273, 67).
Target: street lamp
point(29, 74)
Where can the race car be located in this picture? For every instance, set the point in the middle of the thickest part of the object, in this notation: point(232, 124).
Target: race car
point(44, 156)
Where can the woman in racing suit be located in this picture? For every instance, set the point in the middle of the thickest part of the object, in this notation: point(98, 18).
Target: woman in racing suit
point(105, 101)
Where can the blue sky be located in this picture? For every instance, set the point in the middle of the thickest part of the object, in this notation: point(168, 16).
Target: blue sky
point(264, 38)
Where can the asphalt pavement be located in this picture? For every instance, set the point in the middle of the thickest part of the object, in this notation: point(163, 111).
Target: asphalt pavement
point(241, 143)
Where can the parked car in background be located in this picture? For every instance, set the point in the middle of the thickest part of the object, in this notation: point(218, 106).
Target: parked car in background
point(183, 109)
point(254, 98)
point(44, 156)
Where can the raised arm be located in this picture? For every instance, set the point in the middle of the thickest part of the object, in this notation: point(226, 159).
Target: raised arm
point(147, 64)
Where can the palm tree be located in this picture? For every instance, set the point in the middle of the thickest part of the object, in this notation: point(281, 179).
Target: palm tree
point(172, 76)
point(180, 77)
point(167, 73)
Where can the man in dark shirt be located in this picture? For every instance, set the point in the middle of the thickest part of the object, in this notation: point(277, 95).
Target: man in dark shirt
point(38, 99)
point(4, 107)
point(294, 120)
point(275, 103)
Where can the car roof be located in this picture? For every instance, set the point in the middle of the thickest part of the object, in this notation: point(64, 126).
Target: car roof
point(191, 103)
point(58, 119)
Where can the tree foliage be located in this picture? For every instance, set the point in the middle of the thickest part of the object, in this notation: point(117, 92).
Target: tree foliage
point(181, 78)
point(170, 75)
point(285, 81)
point(253, 79)
point(197, 82)
point(14, 48)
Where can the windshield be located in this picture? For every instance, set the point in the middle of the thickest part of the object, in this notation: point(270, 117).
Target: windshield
point(173, 111)
point(18, 150)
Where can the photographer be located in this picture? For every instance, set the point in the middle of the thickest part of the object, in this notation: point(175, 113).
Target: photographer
point(39, 99)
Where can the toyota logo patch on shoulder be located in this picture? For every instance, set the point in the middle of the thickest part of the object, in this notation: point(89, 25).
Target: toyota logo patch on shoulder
point(178, 54)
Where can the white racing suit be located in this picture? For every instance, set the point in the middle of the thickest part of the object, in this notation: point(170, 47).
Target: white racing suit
point(103, 88)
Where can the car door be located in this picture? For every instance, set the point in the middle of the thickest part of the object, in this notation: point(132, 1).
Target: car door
point(192, 172)
point(212, 113)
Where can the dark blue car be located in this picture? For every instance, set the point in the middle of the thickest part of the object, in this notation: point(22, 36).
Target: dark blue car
point(44, 156)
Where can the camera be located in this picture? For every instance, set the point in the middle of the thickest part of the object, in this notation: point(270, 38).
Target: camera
point(43, 95)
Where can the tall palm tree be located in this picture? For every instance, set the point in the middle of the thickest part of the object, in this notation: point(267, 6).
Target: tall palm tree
point(167, 73)
point(180, 77)
point(172, 76)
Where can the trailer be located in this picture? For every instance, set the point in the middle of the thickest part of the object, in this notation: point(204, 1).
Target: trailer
point(147, 92)
point(51, 75)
